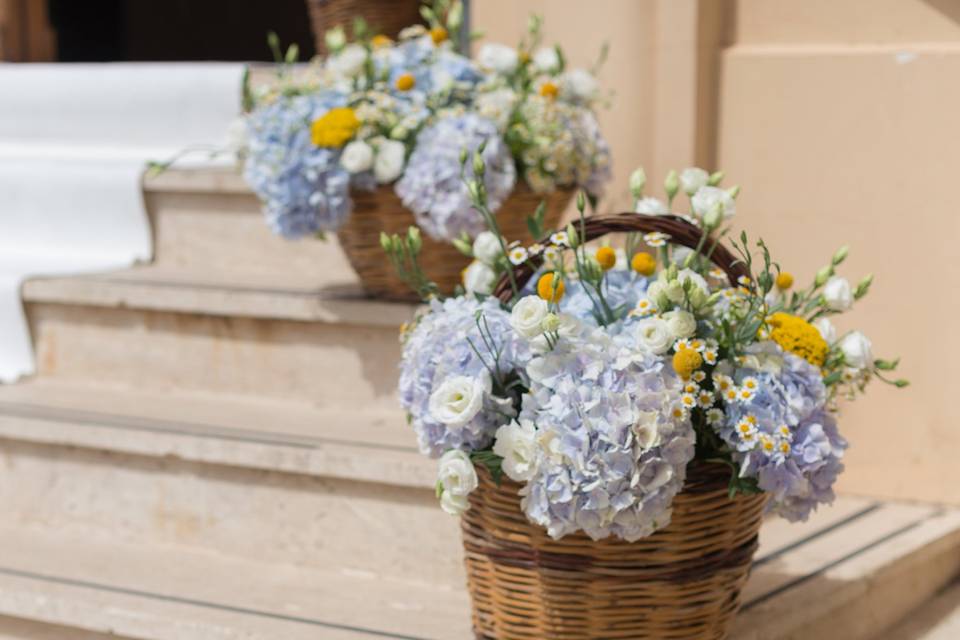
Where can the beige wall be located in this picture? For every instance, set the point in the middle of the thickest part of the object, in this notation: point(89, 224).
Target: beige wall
point(841, 120)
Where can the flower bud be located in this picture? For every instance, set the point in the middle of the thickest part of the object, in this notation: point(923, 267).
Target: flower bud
point(399, 132)
point(473, 189)
point(823, 275)
point(550, 322)
point(713, 216)
point(463, 246)
point(863, 287)
point(385, 241)
point(478, 165)
point(414, 240)
point(638, 180)
point(840, 255)
point(335, 39)
point(715, 178)
point(734, 191)
point(463, 156)
point(573, 238)
point(581, 201)
point(672, 184)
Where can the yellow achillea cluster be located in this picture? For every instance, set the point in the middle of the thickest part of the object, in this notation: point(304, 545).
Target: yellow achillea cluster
point(798, 336)
point(334, 128)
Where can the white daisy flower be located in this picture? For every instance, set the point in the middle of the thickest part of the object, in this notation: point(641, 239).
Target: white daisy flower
point(535, 249)
point(717, 273)
point(560, 238)
point(645, 307)
point(518, 255)
point(551, 253)
point(699, 376)
point(688, 401)
point(750, 383)
point(710, 356)
point(705, 399)
point(715, 417)
point(656, 239)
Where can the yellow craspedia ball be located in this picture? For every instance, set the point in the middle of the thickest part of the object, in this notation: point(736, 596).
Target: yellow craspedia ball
point(405, 82)
point(545, 288)
point(549, 90)
point(438, 35)
point(784, 280)
point(644, 264)
point(686, 361)
point(798, 336)
point(334, 128)
point(379, 41)
point(607, 258)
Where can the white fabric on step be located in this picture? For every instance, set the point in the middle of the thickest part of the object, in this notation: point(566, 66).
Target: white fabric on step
point(74, 142)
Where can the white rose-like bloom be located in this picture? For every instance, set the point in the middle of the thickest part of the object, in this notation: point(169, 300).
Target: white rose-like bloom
point(486, 247)
point(857, 350)
point(349, 62)
point(388, 164)
point(652, 206)
point(517, 444)
point(458, 399)
point(827, 331)
point(357, 157)
point(546, 60)
point(498, 57)
point(681, 323)
point(654, 335)
point(527, 316)
point(579, 84)
point(692, 179)
point(690, 275)
point(479, 278)
point(838, 294)
point(458, 479)
point(706, 197)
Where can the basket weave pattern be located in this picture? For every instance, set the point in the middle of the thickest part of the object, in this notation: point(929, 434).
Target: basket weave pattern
point(382, 210)
point(683, 581)
point(384, 16)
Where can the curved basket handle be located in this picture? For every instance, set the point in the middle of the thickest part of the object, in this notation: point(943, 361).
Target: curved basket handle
point(680, 231)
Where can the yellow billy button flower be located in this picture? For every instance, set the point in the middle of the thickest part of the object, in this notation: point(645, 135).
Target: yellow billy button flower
point(546, 290)
point(334, 128)
point(438, 35)
point(379, 41)
point(549, 90)
point(405, 82)
point(784, 280)
point(686, 361)
point(644, 264)
point(796, 335)
point(607, 257)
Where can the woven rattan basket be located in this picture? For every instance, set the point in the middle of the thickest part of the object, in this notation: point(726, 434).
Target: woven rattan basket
point(382, 210)
point(684, 581)
point(384, 16)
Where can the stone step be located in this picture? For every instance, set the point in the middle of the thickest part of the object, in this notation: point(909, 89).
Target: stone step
point(284, 483)
point(852, 571)
point(938, 619)
point(161, 329)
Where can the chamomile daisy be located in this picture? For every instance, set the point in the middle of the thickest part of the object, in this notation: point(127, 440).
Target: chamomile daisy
point(710, 356)
point(715, 417)
point(698, 376)
point(688, 401)
point(745, 395)
point(750, 383)
point(645, 307)
point(656, 239)
point(560, 238)
point(535, 249)
point(705, 399)
point(518, 255)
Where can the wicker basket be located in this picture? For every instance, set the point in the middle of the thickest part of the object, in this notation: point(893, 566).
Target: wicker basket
point(384, 16)
point(683, 581)
point(382, 210)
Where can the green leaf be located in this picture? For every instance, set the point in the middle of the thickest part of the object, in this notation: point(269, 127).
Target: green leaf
point(886, 365)
point(832, 378)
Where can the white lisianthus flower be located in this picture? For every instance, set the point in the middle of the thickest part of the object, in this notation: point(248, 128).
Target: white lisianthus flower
point(528, 315)
point(498, 57)
point(458, 400)
point(458, 479)
point(349, 62)
point(486, 247)
point(479, 278)
point(516, 443)
point(706, 197)
point(692, 179)
point(497, 105)
point(857, 350)
point(579, 84)
point(335, 38)
point(681, 323)
point(546, 60)
point(357, 157)
point(827, 331)
point(654, 335)
point(838, 294)
point(652, 206)
point(692, 276)
point(389, 162)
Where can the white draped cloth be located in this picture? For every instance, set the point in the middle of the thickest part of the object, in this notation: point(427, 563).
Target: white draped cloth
point(74, 142)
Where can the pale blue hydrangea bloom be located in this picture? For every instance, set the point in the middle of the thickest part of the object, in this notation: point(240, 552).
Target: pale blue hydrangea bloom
point(303, 187)
point(611, 456)
point(622, 288)
point(438, 349)
point(432, 186)
point(795, 450)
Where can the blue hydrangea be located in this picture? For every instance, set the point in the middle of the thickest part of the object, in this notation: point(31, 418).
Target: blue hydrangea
point(432, 186)
point(433, 68)
point(782, 433)
point(621, 288)
point(303, 187)
point(612, 457)
point(439, 348)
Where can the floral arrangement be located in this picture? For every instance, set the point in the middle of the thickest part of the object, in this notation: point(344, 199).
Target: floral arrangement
point(599, 381)
point(380, 112)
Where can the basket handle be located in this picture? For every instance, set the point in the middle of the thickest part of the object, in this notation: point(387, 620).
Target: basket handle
point(680, 231)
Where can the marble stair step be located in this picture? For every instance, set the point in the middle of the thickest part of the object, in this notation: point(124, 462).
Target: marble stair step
point(853, 571)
